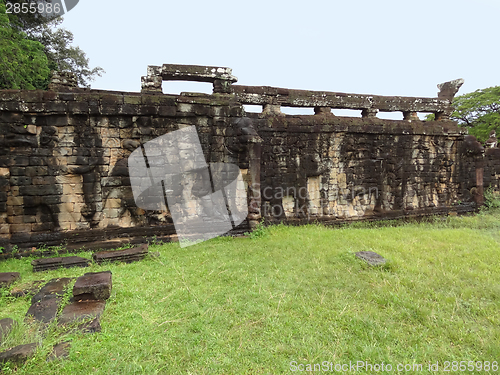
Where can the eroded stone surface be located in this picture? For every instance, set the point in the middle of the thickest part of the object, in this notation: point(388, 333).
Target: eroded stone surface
point(7, 278)
point(371, 258)
point(44, 264)
point(18, 354)
point(93, 286)
point(30, 288)
point(5, 327)
point(55, 287)
point(83, 310)
point(60, 351)
point(44, 310)
point(128, 255)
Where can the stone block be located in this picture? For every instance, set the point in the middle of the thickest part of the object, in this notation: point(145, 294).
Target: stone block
point(20, 228)
point(8, 278)
point(93, 286)
point(18, 354)
point(89, 311)
point(59, 351)
point(372, 258)
point(45, 310)
point(167, 111)
point(55, 263)
point(128, 255)
point(40, 190)
point(53, 288)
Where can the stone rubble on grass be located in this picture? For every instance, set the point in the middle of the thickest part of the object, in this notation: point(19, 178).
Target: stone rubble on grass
point(372, 258)
point(45, 304)
point(7, 278)
point(44, 264)
point(81, 311)
point(128, 255)
point(5, 327)
point(89, 294)
point(30, 288)
point(60, 351)
point(55, 287)
point(93, 286)
point(45, 310)
point(18, 354)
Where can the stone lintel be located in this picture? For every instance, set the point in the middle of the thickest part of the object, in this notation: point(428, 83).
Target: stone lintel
point(260, 95)
point(199, 73)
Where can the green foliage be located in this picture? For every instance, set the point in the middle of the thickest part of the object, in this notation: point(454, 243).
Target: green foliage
point(491, 198)
point(479, 111)
point(23, 63)
point(430, 117)
point(61, 54)
point(30, 42)
point(259, 231)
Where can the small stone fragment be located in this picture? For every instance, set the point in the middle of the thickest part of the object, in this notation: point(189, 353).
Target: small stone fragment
point(30, 288)
point(60, 351)
point(5, 327)
point(371, 258)
point(18, 354)
point(7, 278)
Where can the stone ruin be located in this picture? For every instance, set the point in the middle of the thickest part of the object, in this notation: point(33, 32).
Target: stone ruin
point(64, 175)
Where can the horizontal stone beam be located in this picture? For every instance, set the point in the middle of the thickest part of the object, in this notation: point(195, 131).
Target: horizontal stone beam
point(172, 72)
point(262, 95)
point(220, 77)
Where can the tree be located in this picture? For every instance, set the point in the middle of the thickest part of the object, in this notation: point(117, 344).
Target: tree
point(479, 111)
point(61, 55)
point(23, 63)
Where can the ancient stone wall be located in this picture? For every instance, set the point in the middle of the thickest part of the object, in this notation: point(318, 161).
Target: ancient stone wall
point(64, 173)
point(334, 168)
point(63, 162)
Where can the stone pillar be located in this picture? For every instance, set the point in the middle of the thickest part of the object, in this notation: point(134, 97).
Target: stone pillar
point(440, 116)
point(222, 86)
point(369, 112)
point(410, 116)
point(62, 80)
point(479, 194)
point(254, 198)
point(323, 111)
point(153, 81)
point(271, 109)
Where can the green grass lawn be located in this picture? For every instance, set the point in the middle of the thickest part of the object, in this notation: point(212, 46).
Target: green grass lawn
point(286, 297)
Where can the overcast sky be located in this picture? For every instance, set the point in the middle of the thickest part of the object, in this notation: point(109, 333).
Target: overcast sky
point(384, 47)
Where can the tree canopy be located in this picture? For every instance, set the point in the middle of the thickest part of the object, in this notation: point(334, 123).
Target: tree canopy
point(479, 111)
point(32, 45)
point(23, 63)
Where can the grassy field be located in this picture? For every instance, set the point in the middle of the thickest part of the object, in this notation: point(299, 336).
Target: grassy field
point(288, 297)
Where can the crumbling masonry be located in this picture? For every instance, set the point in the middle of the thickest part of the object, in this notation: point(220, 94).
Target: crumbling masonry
point(64, 173)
